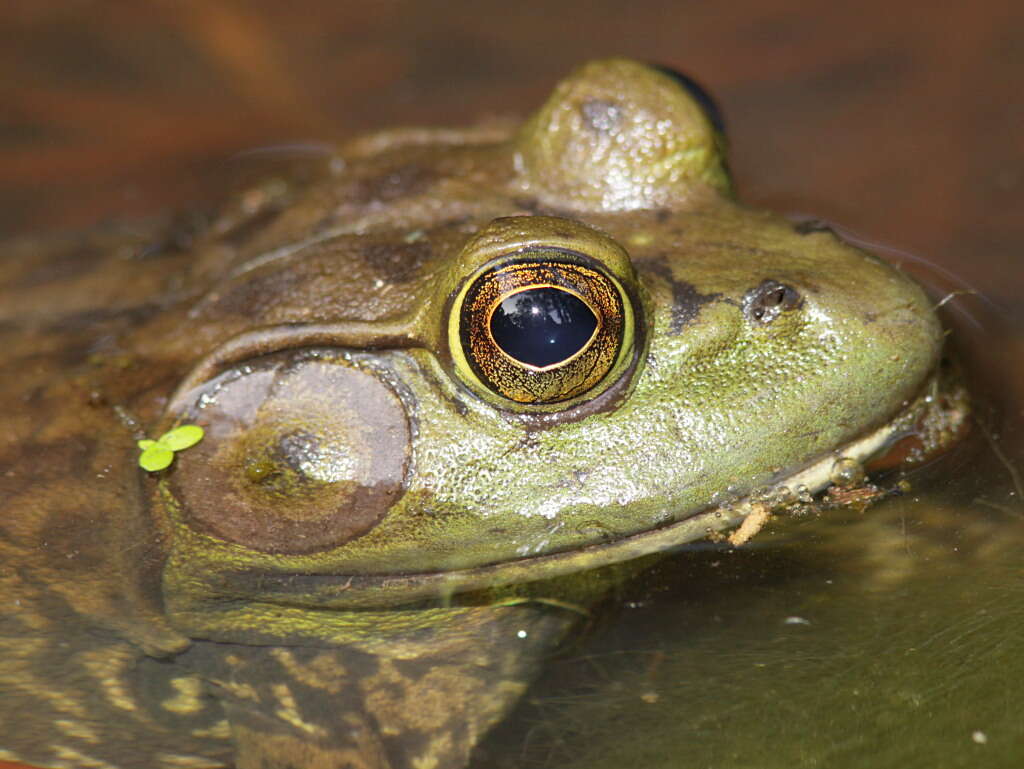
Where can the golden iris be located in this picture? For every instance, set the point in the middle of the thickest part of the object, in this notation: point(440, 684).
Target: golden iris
point(541, 330)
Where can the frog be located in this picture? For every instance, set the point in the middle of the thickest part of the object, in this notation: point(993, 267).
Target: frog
point(454, 387)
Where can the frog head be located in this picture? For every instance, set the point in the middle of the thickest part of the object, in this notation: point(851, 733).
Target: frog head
point(478, 368)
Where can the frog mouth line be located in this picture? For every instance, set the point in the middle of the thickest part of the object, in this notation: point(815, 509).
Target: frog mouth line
point(933, 421)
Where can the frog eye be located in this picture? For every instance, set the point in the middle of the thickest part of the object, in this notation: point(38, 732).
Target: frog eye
point(542, 328)
point(699, 94)
point(620, 136)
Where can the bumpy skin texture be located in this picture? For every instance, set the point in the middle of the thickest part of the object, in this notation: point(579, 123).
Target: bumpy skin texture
point(207, 616)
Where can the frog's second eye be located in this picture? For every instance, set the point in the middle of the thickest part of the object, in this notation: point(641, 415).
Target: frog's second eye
point(539, 330)
point(699, 95)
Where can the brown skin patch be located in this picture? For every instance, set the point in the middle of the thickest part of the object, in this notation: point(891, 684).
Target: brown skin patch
point(259, 292)
point(395, 184)
point(397, 262)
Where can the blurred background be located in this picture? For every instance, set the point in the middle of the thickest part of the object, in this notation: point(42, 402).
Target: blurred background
point(902, 123)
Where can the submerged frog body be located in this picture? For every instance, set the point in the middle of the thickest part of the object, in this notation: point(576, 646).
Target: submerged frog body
point(451, 389)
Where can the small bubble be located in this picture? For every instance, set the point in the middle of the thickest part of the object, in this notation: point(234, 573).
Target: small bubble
point(847, 472)
point(784, 495)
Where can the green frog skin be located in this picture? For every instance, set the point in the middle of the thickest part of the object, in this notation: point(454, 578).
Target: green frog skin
point(453, 388)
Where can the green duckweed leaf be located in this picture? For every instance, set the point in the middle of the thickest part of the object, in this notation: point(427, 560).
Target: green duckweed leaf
point(181, 437)
point(158, 455)
point(155, 457)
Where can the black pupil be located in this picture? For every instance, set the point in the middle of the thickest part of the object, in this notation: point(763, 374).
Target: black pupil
point(541, 326)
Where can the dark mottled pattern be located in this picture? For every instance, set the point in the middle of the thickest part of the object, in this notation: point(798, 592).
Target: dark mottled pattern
point(686, 300)
point(341, 707)
point(78, 688)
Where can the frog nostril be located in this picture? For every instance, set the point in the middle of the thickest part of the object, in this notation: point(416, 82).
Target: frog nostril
point(770, 299)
